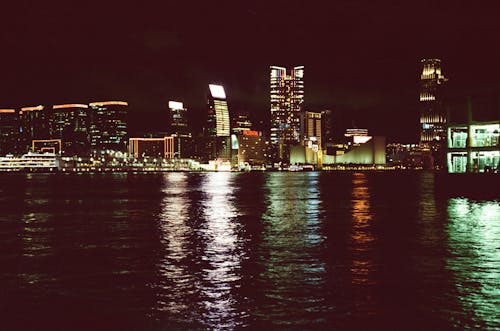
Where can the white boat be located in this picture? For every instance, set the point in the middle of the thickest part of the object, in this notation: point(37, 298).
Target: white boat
point(30, 162)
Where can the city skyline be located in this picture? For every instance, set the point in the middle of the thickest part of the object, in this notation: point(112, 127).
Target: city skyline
point(362, 59)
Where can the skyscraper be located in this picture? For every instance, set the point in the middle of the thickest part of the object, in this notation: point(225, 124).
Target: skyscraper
point(312, 128)
point(179, 129)
point(70, 123)
point(108, 126)
point(432, 113)
point(9, 132)
point(287, 98)
point(218, 128)
point(34, 125)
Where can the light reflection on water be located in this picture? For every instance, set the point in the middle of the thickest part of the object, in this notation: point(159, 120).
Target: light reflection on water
point(176, 282)
point(222, 256)
point(362, 238)
point(261, 250)
point(291, 247)
point(474, 258)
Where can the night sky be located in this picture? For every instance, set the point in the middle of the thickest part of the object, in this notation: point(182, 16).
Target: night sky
point(361, 57)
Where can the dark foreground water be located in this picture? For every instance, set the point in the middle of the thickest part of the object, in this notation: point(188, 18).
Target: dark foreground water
point(181, 251)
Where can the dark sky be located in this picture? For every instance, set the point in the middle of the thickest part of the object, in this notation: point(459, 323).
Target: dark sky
point(361, 57)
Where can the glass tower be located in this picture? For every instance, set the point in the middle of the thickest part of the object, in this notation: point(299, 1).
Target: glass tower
point(287, 98)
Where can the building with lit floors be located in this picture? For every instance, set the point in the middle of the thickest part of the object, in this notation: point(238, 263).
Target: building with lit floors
point(217, 134)
point(108, 127)
point(71, 124)
point(432, 112)
point(179, 129)
point(287, 98)
point(34, 121)
point(9, 132)
point(473, 147)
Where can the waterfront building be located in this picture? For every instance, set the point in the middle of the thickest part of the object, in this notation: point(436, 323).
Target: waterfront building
point(473, 147)
point(432, 112)
point(9, 132)
point(251, 148)
point(161, 148)
point(218, 126)
point(369, 151)
point(179, 129)
point(34, 122)
point(71, 124)
point(108, 126)
point(287, 98)
point(313, 129)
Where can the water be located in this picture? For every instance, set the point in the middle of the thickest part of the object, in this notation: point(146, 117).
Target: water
point(290, 251)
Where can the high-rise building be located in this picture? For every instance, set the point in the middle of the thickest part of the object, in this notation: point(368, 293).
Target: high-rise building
point(313, 128)
point(71, 124)
point(240, 122)
point(179, 129)
point(287, 98)
point(108, 126)
point(432, 112)
point(34, 125)
point(218, 128)
point(9, 132)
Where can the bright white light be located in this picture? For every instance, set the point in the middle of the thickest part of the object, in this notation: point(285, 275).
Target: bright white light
point(361, 139)
point(217, 91)
point(175, 105)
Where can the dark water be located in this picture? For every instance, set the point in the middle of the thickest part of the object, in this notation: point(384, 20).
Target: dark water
point(298, 251)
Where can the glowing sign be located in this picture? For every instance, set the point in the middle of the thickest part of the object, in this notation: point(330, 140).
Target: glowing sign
point(217, 91)
point(7, 111)
point(251, 133)
point(175, 105)
point(234, 142)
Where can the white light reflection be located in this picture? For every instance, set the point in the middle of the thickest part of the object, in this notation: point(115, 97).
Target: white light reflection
point(176, 281)
point(474, 243)
point(221, 255)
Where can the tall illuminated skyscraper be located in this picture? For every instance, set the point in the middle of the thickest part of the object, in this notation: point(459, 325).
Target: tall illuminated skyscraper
point(287, 98)
point(432, 113)
point(218, 129)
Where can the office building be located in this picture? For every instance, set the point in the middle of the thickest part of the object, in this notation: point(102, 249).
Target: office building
point(251, 148)
point(240, 122)
point(9, 132)
point(179, 129)
point(432, 112)
point(34, 125)
point(108, 126)
point(313, 129)
point(287, 98)
point(218, 126)
point(71, 124)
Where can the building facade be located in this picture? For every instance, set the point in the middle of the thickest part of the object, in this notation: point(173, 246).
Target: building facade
point(287, 98)
point(432, 112)
point(71, 124)
point(473, 147)
point(108, 126)
point(9, 132)
point(218, 127)
point(34, 123)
